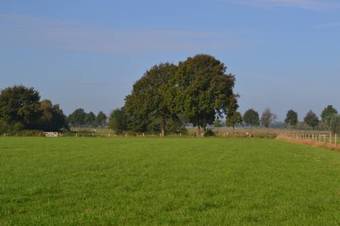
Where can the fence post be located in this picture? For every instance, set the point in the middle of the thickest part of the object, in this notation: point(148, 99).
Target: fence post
point(336, 139)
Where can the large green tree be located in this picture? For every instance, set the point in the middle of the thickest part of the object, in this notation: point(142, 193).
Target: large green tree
point(328, 114)
point(251, 118)
point(311, 119)
point(20, 106)
point(291, 118)
point(149, 107)
point(203, 90)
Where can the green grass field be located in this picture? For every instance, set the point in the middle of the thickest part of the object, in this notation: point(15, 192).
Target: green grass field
point(173, 181)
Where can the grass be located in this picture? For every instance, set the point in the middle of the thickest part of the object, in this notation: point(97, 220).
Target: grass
point(174, 181)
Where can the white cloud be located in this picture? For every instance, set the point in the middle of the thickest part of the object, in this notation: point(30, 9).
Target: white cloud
point(42, 33)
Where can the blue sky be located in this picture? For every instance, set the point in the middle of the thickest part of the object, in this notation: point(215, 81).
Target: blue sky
point(81, 53)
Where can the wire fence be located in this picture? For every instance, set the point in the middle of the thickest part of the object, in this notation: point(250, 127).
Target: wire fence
point(316, 137)
point(301, 136)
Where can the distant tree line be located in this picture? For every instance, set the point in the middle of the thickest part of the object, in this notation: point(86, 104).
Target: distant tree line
point(329, 120)
point(168, 98)
point(80, 118)
point(250, 118)
point(22, 109)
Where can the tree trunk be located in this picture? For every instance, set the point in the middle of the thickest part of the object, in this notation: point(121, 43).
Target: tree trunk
point(199, 131)
point(163, 128)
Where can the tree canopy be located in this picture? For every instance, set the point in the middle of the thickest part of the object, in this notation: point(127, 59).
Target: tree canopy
point(203, 89)
point(77, 118)
point(20, 105)
point(234, 119)
point(90, 119)
point(118, 121)
point(251, 118)
point(52, 118)
point(233, 116)
point(169, 96)
point(101, 119)
point(21, 108)
point(80, 118)
point(150, 105)
point(327, 114)
point(311, 119)
point(291, 118)
point(267, 118)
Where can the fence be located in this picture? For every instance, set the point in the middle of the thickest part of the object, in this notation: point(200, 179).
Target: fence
point(316, 137)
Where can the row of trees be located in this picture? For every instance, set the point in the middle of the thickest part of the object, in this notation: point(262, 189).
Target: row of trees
point(21, 108)
point(197, 92)
point(168, 97)
point(330, 119)
point(251, 118)
point(153, 106)
point(80, 118)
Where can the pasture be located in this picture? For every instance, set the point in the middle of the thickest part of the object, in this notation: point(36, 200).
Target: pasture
point(171, 181)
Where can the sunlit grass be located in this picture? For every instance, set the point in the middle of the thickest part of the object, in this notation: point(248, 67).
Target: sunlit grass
point(173, 181)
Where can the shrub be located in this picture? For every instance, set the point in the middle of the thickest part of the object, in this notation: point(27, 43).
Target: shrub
point(209, 133)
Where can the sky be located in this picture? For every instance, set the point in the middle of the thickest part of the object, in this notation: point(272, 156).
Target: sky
point(285, 54)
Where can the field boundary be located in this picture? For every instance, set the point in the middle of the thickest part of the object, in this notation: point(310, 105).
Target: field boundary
point(307, 141)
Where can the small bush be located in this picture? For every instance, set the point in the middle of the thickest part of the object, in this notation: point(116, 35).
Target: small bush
point(30, 133)
point(209, 133)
